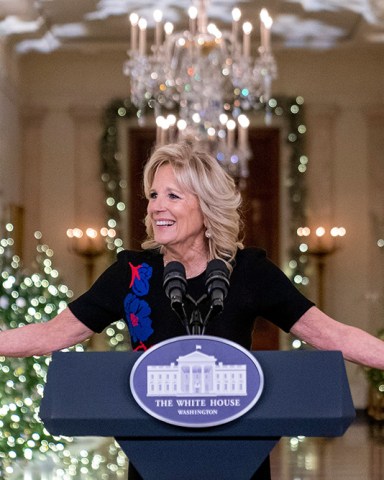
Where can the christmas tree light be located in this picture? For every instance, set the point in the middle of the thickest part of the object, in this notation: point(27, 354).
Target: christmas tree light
point(32, 297)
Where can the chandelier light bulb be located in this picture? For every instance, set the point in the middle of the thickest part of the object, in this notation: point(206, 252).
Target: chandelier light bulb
point(134, 19)
point(223, 118)
point(243, 121)
point(196, 117)
point(181, 124)
point(142, 23)
point(213, 30)
point(168, 28)
point(320, 231)
point(231, 124)
point(265, 18)
point(143, 36)
point(247, 28)
point(158, 16)
point(236, 14)
point(181, 42)
point(192, 12)
point(171, 119)
point(265, 29)
point(160, 120)
point(243, 131)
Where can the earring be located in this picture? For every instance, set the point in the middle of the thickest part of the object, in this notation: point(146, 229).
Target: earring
point(208, 233)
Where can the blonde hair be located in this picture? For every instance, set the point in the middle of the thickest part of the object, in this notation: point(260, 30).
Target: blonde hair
point(216, 192)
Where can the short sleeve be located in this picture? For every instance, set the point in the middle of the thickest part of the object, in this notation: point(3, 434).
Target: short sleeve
point(102, 304)
point(269, 291)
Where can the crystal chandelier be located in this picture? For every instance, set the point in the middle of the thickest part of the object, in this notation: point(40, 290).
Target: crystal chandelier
point(202, 82)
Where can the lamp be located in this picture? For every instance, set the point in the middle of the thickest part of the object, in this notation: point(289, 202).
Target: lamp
point(319, 243)
point(88, 244)
point(201, 82)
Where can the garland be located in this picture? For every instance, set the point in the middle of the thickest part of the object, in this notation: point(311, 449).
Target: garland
point(290, 110)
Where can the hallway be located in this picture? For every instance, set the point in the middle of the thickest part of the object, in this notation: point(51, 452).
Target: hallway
point(358, 455)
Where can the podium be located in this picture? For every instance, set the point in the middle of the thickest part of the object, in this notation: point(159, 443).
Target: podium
point(305, 393)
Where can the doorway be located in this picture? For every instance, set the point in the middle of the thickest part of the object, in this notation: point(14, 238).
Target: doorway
point(260, 197)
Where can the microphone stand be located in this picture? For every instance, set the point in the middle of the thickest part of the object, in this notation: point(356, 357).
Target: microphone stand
point(196, 322)
point(196, 325)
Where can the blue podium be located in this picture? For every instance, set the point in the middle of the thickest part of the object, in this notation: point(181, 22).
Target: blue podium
point(305, 393)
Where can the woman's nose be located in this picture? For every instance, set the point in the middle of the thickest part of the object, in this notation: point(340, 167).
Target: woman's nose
point(157, 205)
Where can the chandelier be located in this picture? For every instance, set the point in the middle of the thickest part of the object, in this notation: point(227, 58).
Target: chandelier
point(202, 83)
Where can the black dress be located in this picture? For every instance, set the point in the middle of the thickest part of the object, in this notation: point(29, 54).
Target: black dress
point(132, 288)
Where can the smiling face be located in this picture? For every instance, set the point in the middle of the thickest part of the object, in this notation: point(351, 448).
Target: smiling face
point(175, 213)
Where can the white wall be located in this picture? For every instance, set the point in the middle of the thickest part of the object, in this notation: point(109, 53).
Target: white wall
point(10, 140)
point(64, 95)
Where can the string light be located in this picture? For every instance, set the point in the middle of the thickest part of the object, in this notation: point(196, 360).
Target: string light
point(31, 298)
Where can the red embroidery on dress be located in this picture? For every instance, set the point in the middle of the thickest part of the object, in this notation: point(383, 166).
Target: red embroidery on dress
point(135, 273)
point(134, 319)
point(141, 346)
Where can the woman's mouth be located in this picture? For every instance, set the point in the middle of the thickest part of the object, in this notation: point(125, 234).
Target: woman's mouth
point(165, 223)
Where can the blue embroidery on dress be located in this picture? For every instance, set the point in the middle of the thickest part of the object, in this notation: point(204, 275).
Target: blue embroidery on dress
point(136, 309)
point(139, 322)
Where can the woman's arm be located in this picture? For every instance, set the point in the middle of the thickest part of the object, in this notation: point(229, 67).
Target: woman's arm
point(324, 333)
point(62, 331)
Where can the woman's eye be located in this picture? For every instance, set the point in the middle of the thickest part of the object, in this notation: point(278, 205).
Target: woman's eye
point(152, 195)
point(173, 196)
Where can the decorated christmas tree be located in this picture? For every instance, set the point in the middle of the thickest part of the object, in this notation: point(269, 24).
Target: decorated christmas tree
point(31, 296)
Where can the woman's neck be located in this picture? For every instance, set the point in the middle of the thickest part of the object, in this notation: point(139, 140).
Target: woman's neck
point(194, 262)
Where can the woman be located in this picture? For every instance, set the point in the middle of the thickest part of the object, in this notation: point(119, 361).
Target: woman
point(192, 217)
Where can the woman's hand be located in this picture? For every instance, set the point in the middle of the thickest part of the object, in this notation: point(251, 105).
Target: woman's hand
point(63, 331)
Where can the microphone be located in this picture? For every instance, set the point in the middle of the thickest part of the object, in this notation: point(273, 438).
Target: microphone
point(217, 283)
point(175, 284)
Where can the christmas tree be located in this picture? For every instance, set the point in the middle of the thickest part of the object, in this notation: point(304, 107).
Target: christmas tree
point(31, 297)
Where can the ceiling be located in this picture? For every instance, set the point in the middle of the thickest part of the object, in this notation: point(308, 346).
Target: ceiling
point(95, 25)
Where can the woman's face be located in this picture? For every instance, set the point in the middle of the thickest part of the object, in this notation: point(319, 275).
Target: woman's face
point(176, 217)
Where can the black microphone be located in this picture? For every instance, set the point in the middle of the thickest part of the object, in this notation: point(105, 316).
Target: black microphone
point(175, 284)
point(217, 283)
